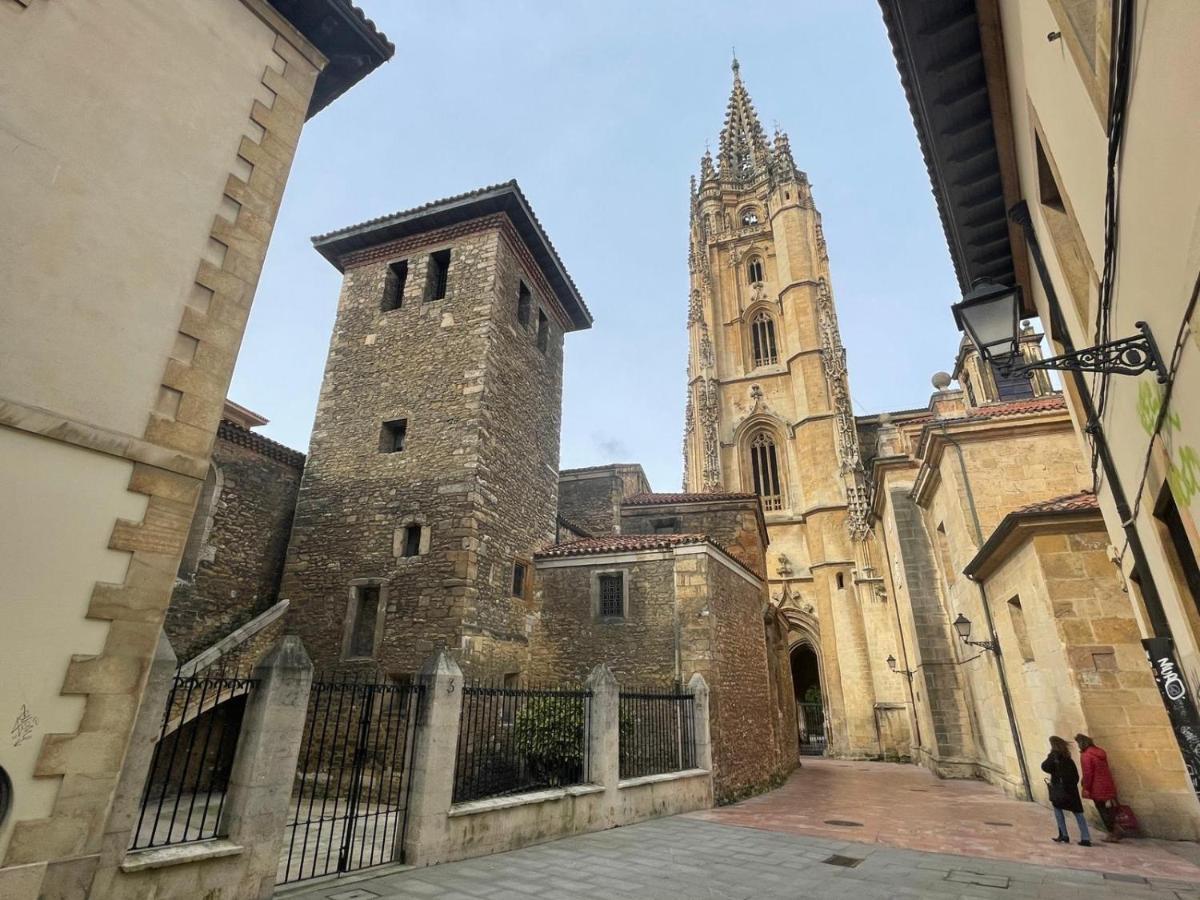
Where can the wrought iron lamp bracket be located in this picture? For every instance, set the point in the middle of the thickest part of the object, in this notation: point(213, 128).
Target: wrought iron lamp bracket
point(1127, 356)
point(990, 646)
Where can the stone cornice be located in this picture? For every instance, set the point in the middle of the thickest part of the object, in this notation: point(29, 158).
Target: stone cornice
point(1017, 528)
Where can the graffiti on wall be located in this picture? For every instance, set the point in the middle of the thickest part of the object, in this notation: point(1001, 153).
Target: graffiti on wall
point(1183, 461)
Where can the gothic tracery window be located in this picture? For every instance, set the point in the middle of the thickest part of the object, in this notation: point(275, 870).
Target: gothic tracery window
point(754, 269)
point(764, 466)
point(749, 218)
point(762, 337)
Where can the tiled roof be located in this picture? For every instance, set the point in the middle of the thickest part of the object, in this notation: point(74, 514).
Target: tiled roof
point(655, 499)
point(1018, 407)
point(1081, 502)
point(633, 543)
point(493, 198)
point(251, 440)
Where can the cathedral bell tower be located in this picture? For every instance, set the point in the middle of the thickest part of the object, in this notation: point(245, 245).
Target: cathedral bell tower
point(768, 403)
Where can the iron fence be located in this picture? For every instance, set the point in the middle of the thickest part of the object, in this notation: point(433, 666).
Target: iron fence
point(189, 771)
point(657, 731)
point(810, 723)
point(350, 795)
point(512, 740)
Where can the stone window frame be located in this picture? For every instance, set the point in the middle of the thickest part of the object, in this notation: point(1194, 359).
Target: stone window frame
point(400, 538)
point(526, 581)
point(395, 280)
point(764, 339)
point(749, 210)
point(437, 287)
point(525, 304)
point(350, 618)
point(755, 266)
point(201, 528)
point(1095, 73)
point(1020, 627)
point(595, 596)
point(773, 502)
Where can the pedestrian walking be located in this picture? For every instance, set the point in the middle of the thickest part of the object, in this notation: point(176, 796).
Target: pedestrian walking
point(1064, 791)
point(1098, 784)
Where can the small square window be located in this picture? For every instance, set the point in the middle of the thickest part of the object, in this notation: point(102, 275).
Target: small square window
point(524, 304)
point(394, 436)
point(612, 595)
point(437, 277)
point(543, 332)
point(393, 289)
point(518, 579)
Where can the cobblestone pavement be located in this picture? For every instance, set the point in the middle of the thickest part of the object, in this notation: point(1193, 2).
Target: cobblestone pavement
point(908, 807)
point(683, 857)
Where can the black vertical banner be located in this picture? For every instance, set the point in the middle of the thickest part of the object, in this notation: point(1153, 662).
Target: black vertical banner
point(1181, 707)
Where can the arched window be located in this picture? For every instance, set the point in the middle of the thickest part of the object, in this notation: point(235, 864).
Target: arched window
point(765, 467)
point(754, 269)
point(749, 218)
point(762, 335)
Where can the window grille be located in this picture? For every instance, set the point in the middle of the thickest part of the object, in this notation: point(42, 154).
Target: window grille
point(754, 270)
point(765, 468)
point(612, 596)
point(762, 332)
point(1017, 386)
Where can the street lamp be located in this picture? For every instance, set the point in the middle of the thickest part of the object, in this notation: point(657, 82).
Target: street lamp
point(962, 625)
point(990, 314)
point(891, 662)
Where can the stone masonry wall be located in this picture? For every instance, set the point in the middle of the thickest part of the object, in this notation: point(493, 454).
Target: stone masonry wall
point(735, 525)
point(479, 467)
point(241, 561)
point(568, 641)
point(591, 497)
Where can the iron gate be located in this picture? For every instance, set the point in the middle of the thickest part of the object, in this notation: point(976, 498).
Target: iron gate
point(350, 795)
point(810, 719)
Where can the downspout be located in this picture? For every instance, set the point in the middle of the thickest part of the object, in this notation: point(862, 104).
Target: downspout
point(987, 614)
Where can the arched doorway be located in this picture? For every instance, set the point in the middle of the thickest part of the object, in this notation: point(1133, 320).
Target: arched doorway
point(810, 702)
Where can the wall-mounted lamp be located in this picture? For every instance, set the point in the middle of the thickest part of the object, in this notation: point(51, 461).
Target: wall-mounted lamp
point(991, 317)
point(962, 625)
point(908, 673)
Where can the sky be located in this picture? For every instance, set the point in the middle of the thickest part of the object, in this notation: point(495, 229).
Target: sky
point(602, 111)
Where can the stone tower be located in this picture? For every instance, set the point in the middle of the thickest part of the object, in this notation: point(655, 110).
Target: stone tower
point(768, 404)
point(433, 468)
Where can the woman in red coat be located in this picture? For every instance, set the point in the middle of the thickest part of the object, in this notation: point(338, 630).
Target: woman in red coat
point(1098, 784)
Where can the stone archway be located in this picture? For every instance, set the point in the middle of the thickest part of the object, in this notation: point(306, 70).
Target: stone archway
point(810, 698)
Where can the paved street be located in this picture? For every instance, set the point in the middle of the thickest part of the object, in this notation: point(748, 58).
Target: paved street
point(906, 834)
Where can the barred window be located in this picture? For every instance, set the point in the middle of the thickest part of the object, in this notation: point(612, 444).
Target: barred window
point(437, 275)
point(612, 595)
point(754, 270)
point(762, 333)
point(765, 468)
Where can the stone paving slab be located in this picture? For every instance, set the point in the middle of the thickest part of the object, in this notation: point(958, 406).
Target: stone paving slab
point(684, 857)
point(907, 806)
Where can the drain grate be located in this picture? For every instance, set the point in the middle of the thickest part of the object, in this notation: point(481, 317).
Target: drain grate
point(846, 862)
point(1000, 824)
point(844, 823)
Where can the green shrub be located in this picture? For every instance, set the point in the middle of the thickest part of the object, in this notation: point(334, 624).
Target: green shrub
point(549, 734)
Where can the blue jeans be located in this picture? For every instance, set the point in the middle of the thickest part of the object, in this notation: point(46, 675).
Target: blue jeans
point(1084, 835)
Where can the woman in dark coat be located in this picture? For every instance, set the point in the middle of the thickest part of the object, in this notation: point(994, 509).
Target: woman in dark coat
point(1064, 791)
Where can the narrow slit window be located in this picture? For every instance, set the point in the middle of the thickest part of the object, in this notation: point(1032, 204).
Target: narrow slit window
point(524, 304)
point(519, 573)
point(841, 581)
point(543, 332)
point(612, 596)
point(437, 277)
point(365, 613)
point(1017, 616)
point(393, 288)
point(765, 468)
point(394, 436)
point(762, 334)
point(412, 540)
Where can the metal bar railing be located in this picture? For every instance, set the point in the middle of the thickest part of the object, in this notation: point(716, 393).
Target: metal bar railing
point(657, 731)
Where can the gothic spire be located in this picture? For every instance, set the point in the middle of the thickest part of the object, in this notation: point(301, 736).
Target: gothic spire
point(743, 148)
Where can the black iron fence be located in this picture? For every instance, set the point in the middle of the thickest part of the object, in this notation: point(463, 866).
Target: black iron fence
point(350, 795)
point(512, 740)
point(810, 722)
point(657, 731)
point(189, 771)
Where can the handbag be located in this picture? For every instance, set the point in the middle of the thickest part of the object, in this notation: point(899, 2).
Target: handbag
point(1125, 818)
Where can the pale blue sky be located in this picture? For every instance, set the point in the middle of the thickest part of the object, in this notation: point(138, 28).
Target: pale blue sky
point(601, 111)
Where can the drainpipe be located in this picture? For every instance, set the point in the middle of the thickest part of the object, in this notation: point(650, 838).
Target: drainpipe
point(987, 614)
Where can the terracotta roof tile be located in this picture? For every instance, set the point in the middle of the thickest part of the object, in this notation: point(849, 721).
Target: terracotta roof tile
point(252, 440)
point(1083, 501)
point(1018, 407)
point(632, 543)
point(654, 499)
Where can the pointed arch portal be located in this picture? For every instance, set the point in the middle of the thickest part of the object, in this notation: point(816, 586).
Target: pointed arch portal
point(810, 701)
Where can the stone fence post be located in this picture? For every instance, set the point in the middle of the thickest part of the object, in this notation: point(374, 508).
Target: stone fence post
point(603, 739)
point(431, 785)
point(700, 722)
point(264, 765)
